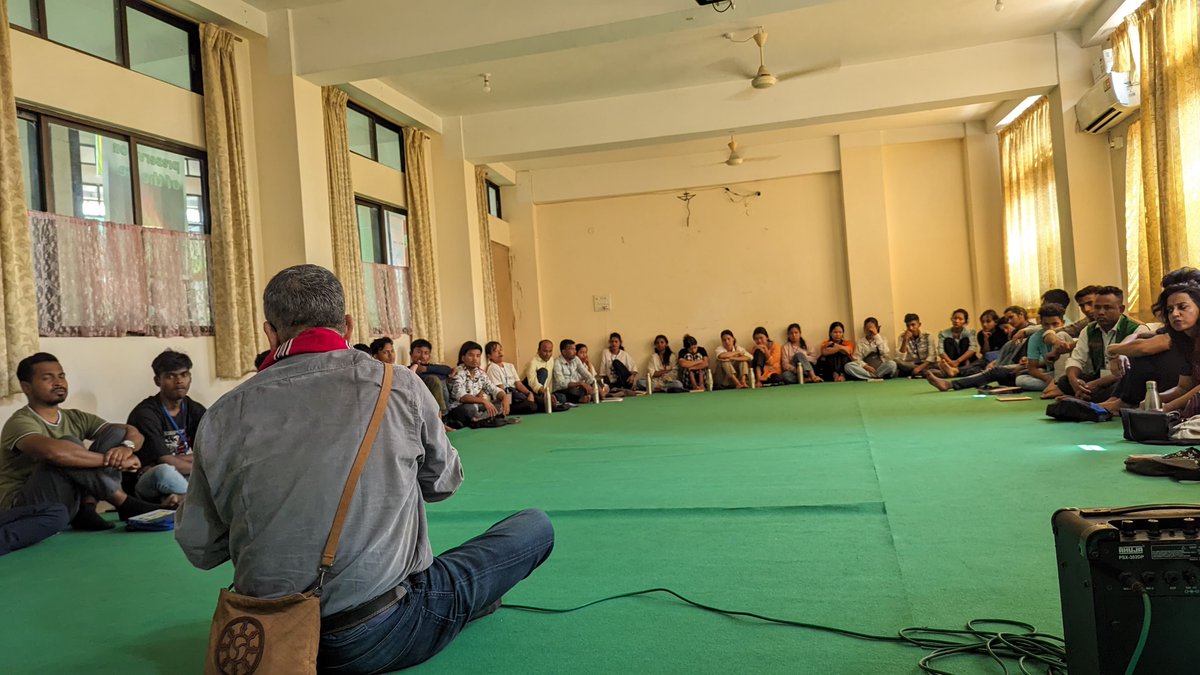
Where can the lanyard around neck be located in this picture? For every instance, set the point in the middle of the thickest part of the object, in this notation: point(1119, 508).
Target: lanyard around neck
point(183, 439)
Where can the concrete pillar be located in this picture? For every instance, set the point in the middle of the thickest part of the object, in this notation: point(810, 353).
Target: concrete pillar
point(985, 217)
point(867, 244)
point(521, 214)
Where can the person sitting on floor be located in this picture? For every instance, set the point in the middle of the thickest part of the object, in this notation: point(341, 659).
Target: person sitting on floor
point(617, 368)
point(269, 475)
point(1148, 358)
point(168, 421)
point(916, 347)
point(1016, 320)
point(797, 360)
point(991, 336)
point(504, 375)
point(767, 360)
point(733, 363)
point(835, 353)
point(1063, 341)
point(872, 357)
point(42, 458)
point(434, 375)
point(474, 399)
point(957, 347)
point(1179, 307)
point(693, 364)
point(364, 348)
point(1029, 373)
point(1088, 376)
point(24, 526)
point(582, 353)
point(571, 377)
point(384, 350)
point(538, 372)
point(664, 371)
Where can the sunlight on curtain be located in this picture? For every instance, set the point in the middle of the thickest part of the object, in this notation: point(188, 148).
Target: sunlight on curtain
point(1033, 253)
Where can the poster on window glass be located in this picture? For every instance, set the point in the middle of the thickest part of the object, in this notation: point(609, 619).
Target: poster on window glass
point(163, 177)
point(397, 227)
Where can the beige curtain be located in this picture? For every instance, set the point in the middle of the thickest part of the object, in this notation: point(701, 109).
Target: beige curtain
point(1032, 249)
point(1163, 148)
point(491, 309)
point(18, 304)
point(235, 314)
point(343, 221)
point(426, 307)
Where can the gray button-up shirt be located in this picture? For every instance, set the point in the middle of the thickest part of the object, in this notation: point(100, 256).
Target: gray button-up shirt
point(272, 457)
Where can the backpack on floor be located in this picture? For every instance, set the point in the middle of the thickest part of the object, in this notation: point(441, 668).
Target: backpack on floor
point(1070, 409)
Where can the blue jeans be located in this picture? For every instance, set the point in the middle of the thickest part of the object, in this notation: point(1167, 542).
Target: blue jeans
point(461, 584)
point(160, 481)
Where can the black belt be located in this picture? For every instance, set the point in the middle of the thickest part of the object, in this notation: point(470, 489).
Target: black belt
point(349, 618)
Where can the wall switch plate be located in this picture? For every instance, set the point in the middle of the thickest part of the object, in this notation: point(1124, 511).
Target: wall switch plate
point(601, 303)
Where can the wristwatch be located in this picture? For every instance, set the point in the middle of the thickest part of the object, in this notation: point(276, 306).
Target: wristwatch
point(129, 444)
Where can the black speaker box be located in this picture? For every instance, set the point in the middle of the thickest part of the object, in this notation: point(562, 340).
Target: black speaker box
point(1107, 560)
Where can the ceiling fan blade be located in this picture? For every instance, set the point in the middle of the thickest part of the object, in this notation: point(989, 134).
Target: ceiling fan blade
point(832, 66)
point(761, 159)
point(733, 67)
point(744, 95)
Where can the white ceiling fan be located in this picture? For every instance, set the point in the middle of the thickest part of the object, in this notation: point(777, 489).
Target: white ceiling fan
point(763, 78)
point(735, 158)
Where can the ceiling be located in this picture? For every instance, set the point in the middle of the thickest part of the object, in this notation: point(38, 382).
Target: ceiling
point(842, 31)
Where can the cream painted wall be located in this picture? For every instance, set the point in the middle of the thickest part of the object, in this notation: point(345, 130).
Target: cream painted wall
point(80, 85)
point(108, 376)
point(927, 217)
point(769, 262)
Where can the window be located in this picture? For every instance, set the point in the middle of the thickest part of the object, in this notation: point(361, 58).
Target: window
point(493, 194)
point(23, 14)
point(31, 159)
point(383, 238)
point(119, 245)
point(129, 33)
point(374, 137)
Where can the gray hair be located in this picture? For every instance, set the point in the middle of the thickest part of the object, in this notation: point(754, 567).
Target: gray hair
point(303, 297)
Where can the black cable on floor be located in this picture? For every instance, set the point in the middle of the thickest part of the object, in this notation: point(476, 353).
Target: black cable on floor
point(1015, 641)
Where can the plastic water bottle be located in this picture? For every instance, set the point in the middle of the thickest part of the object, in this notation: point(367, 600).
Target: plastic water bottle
point(1152, 401)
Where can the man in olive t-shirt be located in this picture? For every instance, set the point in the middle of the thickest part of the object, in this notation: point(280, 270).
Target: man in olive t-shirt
point(42, 458)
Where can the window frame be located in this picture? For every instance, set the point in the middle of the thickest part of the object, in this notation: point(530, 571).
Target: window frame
point(39, 161)
point(493, 188)
point(377, 120)
point(384, 240)
point(121, 26)
point(44, 118)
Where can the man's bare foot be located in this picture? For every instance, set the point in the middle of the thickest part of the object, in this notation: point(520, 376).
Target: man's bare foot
point(838, 377)
point(949, 370)
point(937, 382)
point(1050, 392)
point(448, 428)
point(172, 501)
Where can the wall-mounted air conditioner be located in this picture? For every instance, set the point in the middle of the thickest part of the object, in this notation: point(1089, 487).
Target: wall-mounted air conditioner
point(1107, 103)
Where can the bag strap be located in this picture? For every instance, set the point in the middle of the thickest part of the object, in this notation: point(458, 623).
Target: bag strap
point(364, 451)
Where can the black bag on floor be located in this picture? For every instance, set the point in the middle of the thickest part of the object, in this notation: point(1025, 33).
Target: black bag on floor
point(1151, 426)
point(1182, 465)
point(1069, 409)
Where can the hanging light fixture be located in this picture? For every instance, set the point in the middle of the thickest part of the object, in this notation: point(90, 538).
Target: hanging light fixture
point(487, 83)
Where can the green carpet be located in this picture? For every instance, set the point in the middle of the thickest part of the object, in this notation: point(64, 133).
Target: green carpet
point(866, 506)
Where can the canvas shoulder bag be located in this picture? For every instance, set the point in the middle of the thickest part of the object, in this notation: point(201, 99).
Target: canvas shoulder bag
point(281, 635)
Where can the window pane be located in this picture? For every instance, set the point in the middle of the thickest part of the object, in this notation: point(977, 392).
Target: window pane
point(30, 163)
point(368, 233)
point(390, 145)
point(87, 25)
point(358, 128)
point(22, 13)
point(494, 200)
point(101, 189)
point(158, 49)
point(171, 199)
point(397, 234)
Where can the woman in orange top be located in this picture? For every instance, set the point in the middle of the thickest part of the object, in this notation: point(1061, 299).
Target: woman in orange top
point(768, 359)
point(836, 352)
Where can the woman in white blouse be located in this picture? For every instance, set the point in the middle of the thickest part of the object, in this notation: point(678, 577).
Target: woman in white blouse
point(664, 369)
point(797, 359)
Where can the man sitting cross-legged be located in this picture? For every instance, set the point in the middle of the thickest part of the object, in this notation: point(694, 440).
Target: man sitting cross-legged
point(42, 458)
point(1028, 373)
point(168, 421)
point(434, 375)
point(271, 464)
point(1088, 376)
point(917, 351)
point(538, 372)
point(872, 358)
point(474, 398)
point(571, 378)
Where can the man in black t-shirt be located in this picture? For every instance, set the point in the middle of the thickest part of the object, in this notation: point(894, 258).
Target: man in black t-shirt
point(168, 420)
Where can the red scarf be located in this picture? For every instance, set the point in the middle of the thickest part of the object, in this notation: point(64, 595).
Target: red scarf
point(311, 341)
